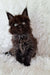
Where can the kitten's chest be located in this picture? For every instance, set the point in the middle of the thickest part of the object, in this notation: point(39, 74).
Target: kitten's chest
point(20, 38)
point(21, 42)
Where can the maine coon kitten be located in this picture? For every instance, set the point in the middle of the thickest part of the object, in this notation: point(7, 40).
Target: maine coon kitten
point(24, 44)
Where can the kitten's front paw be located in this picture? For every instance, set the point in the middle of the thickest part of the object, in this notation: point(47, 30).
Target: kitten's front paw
point(19, 57)
point(27, 61)
point(19, 60)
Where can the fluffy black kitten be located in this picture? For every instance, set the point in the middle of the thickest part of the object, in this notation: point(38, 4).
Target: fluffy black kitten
point(24, 43)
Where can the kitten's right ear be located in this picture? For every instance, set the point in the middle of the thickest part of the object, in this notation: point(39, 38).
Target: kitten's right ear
point(25, 12)
point(10, 16)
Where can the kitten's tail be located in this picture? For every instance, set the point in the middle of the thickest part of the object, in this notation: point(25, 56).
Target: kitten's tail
point(4, 53)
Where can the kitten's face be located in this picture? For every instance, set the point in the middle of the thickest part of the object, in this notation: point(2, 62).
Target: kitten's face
point(19, 24)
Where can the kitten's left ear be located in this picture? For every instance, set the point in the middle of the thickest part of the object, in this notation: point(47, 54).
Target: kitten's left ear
point(25, 12)
point(10, 16)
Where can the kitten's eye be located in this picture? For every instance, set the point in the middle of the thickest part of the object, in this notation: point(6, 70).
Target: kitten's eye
point(15, 25)
point(23, 23)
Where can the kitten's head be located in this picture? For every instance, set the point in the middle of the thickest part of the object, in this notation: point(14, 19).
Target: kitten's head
point(19, 24)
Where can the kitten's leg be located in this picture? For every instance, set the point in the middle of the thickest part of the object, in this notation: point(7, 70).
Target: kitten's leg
point(27, 60)
point(28, 55)
point(19, 56)
point(11, 52)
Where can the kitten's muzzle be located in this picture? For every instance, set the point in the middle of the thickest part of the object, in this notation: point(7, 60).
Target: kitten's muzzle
point(19, 26)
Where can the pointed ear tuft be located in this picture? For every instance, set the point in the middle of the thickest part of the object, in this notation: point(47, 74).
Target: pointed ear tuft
point(25, 12)
point(10, 16)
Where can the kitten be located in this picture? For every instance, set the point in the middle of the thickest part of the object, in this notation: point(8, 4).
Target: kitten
point(24, 44)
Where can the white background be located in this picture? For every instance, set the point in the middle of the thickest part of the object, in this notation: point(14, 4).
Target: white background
point(39, 14)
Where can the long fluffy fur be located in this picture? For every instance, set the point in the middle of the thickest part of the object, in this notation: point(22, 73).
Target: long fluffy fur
point(24, 44)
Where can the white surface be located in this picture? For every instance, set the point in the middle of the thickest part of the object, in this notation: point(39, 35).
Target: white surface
point(39, 13)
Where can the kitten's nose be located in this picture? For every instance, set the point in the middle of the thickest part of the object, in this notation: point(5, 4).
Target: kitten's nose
point(19, 26)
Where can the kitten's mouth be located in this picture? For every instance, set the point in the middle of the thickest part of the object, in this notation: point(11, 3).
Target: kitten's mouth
point(20, 30)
